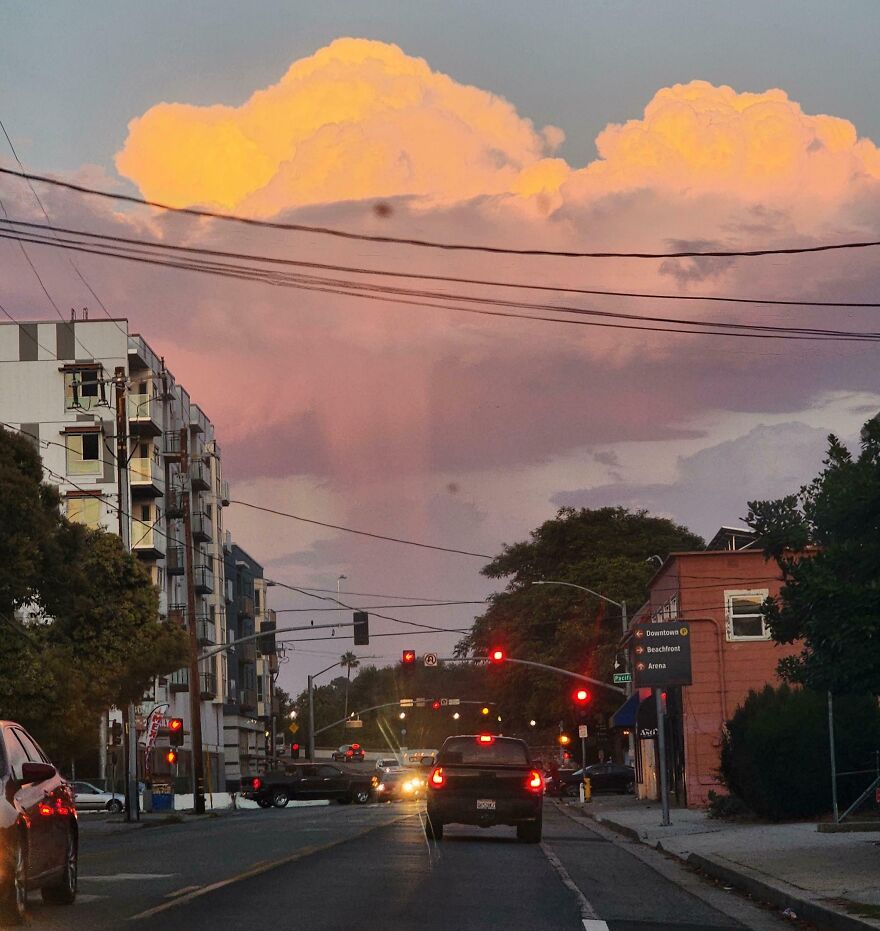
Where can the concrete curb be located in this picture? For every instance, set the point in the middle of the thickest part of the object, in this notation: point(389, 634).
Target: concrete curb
point(779, 895)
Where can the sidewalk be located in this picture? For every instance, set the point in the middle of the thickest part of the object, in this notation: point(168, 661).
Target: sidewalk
point(831, 880)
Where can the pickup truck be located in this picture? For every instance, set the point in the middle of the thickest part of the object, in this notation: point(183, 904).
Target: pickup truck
point(485, 780)
point(309, 781)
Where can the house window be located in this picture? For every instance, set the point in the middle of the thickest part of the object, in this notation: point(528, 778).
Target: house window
point(85, 509)
point(81, 389)
point(84, 454)
point(744, 620)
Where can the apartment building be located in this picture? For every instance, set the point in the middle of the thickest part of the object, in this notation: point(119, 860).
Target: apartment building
point(55, 387)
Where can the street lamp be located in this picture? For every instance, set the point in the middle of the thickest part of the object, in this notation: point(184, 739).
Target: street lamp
point(341, 578)
point(402, 715)
point(533, 723)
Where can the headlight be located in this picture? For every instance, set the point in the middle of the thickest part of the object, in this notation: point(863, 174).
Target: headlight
point(380, 787)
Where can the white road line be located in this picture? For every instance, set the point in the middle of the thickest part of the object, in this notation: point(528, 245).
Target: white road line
point(588, 913)
point(124, 877)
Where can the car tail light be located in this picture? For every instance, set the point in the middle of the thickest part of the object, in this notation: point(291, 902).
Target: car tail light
point(45, 809)
point(258, 784)
point(355, 746)
point(485, 739)
point(438, 778)
point(535, 782)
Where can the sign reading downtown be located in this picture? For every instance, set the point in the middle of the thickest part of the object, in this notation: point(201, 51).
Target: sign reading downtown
point(661, 655)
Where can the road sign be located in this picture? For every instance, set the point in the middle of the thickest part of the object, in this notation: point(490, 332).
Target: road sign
point(621, 677)
point(430, 659)
point(420, 702)
point(454, 701)
point(354, 722)
point(444, 702)
point(583, 731)
point(294, 727)
point(406, 703)
point(661, 654)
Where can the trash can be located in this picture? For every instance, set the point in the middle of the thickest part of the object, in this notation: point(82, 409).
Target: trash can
point(162, 797)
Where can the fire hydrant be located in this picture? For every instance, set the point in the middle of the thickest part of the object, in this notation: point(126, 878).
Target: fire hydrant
point(586, 790)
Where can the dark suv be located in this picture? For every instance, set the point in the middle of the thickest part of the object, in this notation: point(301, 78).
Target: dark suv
point(348, 753)
point(39, 836)
point(485, 780)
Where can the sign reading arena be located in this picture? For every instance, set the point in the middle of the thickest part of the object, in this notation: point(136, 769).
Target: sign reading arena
point(661, 655)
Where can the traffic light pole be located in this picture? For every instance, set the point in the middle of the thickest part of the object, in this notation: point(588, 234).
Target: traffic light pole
point(311, 746)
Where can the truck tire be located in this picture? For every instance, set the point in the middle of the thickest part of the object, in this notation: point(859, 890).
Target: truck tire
point(360, 796)
point(279, 798)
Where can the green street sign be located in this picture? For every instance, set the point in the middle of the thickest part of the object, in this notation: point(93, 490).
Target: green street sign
point(621, 677)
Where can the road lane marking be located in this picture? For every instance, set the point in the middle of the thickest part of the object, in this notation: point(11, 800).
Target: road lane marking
point(181, 891)
point(588, 913)
point(125, 877)
point(262, 868)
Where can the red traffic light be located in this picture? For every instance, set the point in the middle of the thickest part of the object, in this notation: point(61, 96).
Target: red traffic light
point(496, 656)
point(408, 658)
point(294, 747)
point(171, 757)
point(582, 696)
point(175, 724)
point(435, 705)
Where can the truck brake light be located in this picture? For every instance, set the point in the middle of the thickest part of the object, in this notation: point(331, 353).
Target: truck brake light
point(535, 782)
point(438, 778)
point(258, 784)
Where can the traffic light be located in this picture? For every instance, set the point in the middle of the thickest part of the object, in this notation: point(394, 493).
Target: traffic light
point(408, 658)
point(564, 740)
point(294, 751)
point(496, 656)
point(175, 732)
point(116, 733)
point(435, 704)
point(582, 697)
point(484, 710)
point(171, 757)
point(361, 628)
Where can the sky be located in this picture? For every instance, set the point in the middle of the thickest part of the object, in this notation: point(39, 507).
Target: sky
point(625, 126)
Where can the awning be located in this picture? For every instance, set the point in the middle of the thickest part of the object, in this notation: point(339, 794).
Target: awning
point(625, 716)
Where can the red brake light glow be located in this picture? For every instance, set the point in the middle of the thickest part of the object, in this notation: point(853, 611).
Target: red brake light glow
point(438, 778)
point(535, 782)
point(258, 784)
point(485, 739)
point(355, 746)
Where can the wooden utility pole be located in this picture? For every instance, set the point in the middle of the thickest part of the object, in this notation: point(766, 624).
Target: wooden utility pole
point(195, 699)
point(132, 811)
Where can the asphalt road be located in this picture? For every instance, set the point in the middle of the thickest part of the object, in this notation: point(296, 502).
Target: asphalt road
point(353, 866)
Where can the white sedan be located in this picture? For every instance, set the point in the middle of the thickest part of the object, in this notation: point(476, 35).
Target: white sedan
point(91, 798)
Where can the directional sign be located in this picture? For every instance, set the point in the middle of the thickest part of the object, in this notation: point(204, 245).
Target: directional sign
point(294, 727)
point(454, 701)
point(661, 654)
point(406, 703)
point(430, 659)
point(621, 677)
point(444, 702)
point(354, 722)
point(420, 702)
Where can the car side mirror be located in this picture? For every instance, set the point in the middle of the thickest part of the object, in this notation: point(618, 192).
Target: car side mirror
point(36, 772)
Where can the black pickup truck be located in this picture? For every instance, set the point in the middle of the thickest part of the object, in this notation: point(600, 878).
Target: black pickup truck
point(485, 780)
point(309, 781)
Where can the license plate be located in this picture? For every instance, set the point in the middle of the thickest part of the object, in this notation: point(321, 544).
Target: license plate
point(485, 804)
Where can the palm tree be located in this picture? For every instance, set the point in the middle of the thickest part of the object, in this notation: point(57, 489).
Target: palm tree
point(350, 661)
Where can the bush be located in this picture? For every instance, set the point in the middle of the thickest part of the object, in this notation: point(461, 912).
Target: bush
point(775, 755)
point(727, 807)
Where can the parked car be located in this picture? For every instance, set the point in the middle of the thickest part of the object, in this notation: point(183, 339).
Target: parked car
point(485, 780)
point(400, 782)
point(310, 781)
point(604, 777)
point(348, 753)
point(39, 837)
point(91, 798)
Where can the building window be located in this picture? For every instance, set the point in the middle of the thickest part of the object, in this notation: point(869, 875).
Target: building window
point(84, 454)
point(85, 509)
point(82, 389)
point(744, 619)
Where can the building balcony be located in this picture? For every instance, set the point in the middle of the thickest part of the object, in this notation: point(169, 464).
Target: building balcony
point(173, 504)
point(203, 577)
point(200, 476)
point(198, 422)
point(176, 560)
point(171, 447)
point(224, 494)
point(144, 416)
point(205, 631)
point(202, 527)
point(147, 477)
point(179, 681)
point(247, 699)
point(147, 541)
point(207, 685)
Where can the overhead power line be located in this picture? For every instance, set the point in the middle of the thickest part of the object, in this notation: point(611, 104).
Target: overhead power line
point(422, 276)
point(366, 291)
point(360, 533)
point(426, 243)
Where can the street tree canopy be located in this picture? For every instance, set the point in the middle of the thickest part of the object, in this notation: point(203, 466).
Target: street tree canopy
point(609, 550)
point(87, 634)
point(830, 602)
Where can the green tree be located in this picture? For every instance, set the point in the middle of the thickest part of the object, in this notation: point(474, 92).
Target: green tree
point(88, 633)
point(608, 550)
point(826, 543)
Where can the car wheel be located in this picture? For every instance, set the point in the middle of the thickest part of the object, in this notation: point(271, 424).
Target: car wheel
point(529, 833)
point(280, 799)
point(13, 893)
point(264, 803)
point(63, 892)
point(360, 796)
point(433, 828)
point(114, 806)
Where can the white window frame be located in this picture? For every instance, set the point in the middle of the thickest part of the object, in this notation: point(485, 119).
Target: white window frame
point(729, 597)
point(75, 463)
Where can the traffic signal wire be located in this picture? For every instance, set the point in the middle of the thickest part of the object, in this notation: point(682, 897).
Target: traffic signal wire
point(426, 243)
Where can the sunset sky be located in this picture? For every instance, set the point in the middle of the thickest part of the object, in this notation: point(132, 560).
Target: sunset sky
point(613, 126)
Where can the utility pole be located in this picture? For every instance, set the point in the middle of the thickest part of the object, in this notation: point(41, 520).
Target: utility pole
point(311, 719)
point(195, 701)
point(132, 812)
